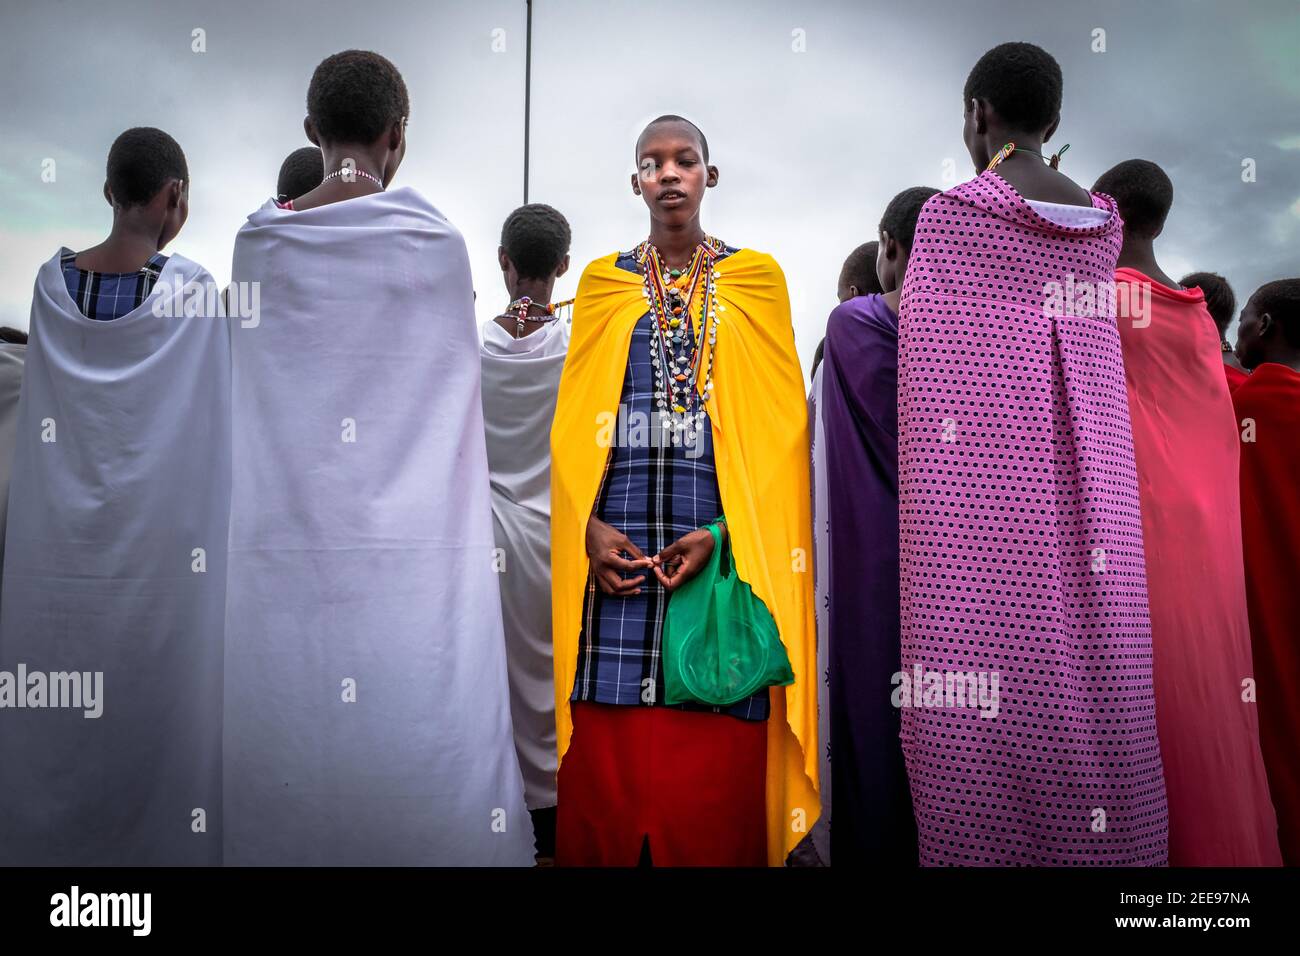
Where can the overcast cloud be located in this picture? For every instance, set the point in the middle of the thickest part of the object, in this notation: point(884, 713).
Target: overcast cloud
point(816, 113)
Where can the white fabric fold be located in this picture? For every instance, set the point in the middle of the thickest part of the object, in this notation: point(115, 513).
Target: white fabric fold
point(1066, 214)
point(521, 378)
point(367, 709)
point(821, 831)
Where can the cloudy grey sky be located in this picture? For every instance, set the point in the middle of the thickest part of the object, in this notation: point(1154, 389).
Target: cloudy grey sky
point(817, 112)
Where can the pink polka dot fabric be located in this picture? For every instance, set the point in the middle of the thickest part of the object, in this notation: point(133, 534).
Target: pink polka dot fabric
point(1021, 547)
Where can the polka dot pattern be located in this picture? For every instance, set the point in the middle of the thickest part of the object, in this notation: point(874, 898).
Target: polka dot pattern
point(1021, 546)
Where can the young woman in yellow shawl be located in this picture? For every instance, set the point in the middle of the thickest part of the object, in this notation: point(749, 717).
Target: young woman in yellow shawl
point(681, 401)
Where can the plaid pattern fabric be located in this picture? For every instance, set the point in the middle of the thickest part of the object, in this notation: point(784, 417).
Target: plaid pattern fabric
point(105, 296)
point(653, 493)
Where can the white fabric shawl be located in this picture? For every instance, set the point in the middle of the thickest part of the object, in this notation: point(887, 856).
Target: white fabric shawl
point(121, 475)
point(821, 836)
point(521, 378)
point(12, 356)
point(367, 706)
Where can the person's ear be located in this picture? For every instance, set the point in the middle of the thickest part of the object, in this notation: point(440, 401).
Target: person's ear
point(981, 116)
point(1051, 130)
point(563, 267)
point(1266, 325)
point(712, 178)
point(853, 292)
point(175, 193)
point(309, 128)
point(108, 196)
point(396, 133)
point(892, 249)
point(636, 184)
point(503, 259)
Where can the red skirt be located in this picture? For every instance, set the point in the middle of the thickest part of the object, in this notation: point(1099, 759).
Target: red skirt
point(692, 782)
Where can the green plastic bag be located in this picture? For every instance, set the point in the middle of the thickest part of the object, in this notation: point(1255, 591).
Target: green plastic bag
point(720, 641)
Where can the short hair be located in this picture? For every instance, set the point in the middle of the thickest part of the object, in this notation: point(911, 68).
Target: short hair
point(13, 336)
point(902, 212)
point(142, 161)
point(1219, 297)
point(674, 118)
point(536, 238)
point(1143, 192)
point(859, 269)
point(355, 96)
point(1021, 81)
point(300, 173)
point(1281, 300)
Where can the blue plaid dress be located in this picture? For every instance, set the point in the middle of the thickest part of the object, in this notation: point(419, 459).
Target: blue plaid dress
point(654, 492)
point(105, 296)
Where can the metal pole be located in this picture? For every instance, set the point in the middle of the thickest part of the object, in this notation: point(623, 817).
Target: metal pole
point(528, 90)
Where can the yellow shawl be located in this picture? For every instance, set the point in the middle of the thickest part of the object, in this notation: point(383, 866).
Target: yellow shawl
point(759, 418)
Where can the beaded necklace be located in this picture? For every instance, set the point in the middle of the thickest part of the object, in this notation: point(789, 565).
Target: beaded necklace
point(1010, 148)
point(677, 347)
point(519, 309)
point(355, 172)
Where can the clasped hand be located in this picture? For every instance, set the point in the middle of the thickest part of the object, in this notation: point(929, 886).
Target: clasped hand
point(673, 566)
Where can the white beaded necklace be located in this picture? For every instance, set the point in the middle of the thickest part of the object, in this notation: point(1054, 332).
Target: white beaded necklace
point(355, 172)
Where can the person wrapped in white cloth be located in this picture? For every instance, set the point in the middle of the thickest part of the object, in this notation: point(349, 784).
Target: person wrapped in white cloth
point(113, 607)
point(367, 717)
point(523, 351)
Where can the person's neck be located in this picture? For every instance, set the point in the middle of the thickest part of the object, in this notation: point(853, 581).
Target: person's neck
point(345, 156)
point(895, 295)
point(539, 292)
point(1230, 359)
point(676, 244)
point(1288, 357)
point(360, 158)
point(1027, 145)
point(1139, 253)
point(1030, 175)
point(130, 244)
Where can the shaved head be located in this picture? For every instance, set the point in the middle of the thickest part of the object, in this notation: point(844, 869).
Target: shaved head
point(670, 118)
